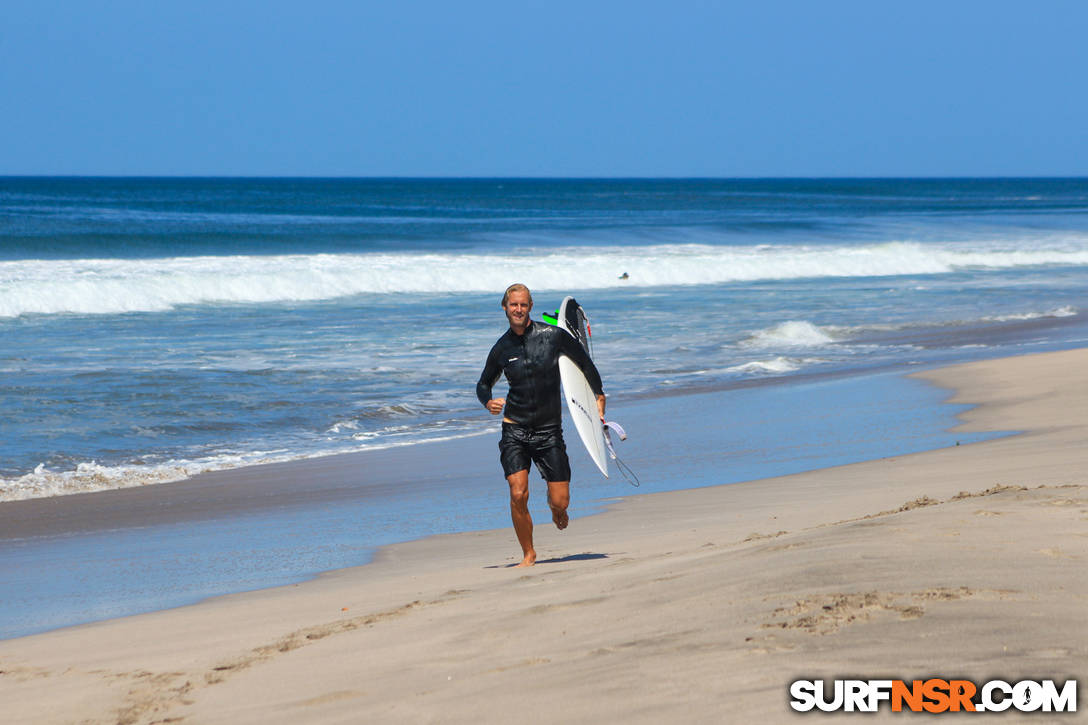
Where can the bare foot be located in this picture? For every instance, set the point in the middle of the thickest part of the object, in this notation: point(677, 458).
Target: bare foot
point(529, 559)
point(559, 516)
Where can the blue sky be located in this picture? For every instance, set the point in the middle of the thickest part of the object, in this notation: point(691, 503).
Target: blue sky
point(723, 89)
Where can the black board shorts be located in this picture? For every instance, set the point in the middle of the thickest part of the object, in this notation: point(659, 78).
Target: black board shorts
point(542, 446)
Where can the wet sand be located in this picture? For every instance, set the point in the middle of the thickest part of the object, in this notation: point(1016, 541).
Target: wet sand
point(701, 605)
point(239, 491)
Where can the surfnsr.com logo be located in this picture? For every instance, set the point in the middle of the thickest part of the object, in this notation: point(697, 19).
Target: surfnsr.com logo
point(934, 695)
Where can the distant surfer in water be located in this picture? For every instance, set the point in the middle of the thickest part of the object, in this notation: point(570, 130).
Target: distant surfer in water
point(528, 354)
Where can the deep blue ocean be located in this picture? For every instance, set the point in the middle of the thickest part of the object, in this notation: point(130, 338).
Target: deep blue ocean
point(153, 329)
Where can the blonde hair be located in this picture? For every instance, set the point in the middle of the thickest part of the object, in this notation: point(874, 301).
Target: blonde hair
point(516, 287)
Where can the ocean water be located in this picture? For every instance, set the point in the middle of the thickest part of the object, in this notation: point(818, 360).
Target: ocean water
point(314, 516)
point(156, 328)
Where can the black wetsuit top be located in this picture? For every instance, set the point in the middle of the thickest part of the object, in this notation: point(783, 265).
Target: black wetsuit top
point(531, 365)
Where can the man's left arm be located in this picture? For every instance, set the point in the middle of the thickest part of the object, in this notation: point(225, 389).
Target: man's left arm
point(574, 350)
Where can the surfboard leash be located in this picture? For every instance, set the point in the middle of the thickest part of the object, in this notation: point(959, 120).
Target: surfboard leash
point(630, 476)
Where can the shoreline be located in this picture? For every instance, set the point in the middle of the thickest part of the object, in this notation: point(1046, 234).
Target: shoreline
point(185, 492)
point(93, 482)
point(280, 524)
point(954, 562)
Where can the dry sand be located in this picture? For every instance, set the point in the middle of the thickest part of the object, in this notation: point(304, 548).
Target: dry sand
point(695, 606)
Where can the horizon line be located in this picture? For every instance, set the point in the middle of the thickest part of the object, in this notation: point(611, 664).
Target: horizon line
point(270, 177)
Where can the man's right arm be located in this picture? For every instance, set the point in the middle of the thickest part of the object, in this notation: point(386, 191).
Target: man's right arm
point(488, 378)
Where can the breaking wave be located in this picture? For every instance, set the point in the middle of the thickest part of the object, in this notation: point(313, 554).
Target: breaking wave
point(110, 286)
point(795, 333)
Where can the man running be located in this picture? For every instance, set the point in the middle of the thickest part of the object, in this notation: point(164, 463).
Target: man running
point(528, 354)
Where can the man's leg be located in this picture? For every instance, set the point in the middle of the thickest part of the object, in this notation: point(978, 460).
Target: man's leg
point(559, 500)
point(519, 514)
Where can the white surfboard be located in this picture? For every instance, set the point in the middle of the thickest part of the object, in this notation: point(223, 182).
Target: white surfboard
point(581, 402)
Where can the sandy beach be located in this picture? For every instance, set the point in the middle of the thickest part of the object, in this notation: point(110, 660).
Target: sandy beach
point(699, 605)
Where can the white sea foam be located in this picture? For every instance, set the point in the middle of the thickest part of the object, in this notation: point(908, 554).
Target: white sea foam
point(794, 333)
point(107, 286)
point(41, 482)
point(90, 476)
point(840, 332)
point(774, 366)
point(1065, 311)
point(779, 364)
